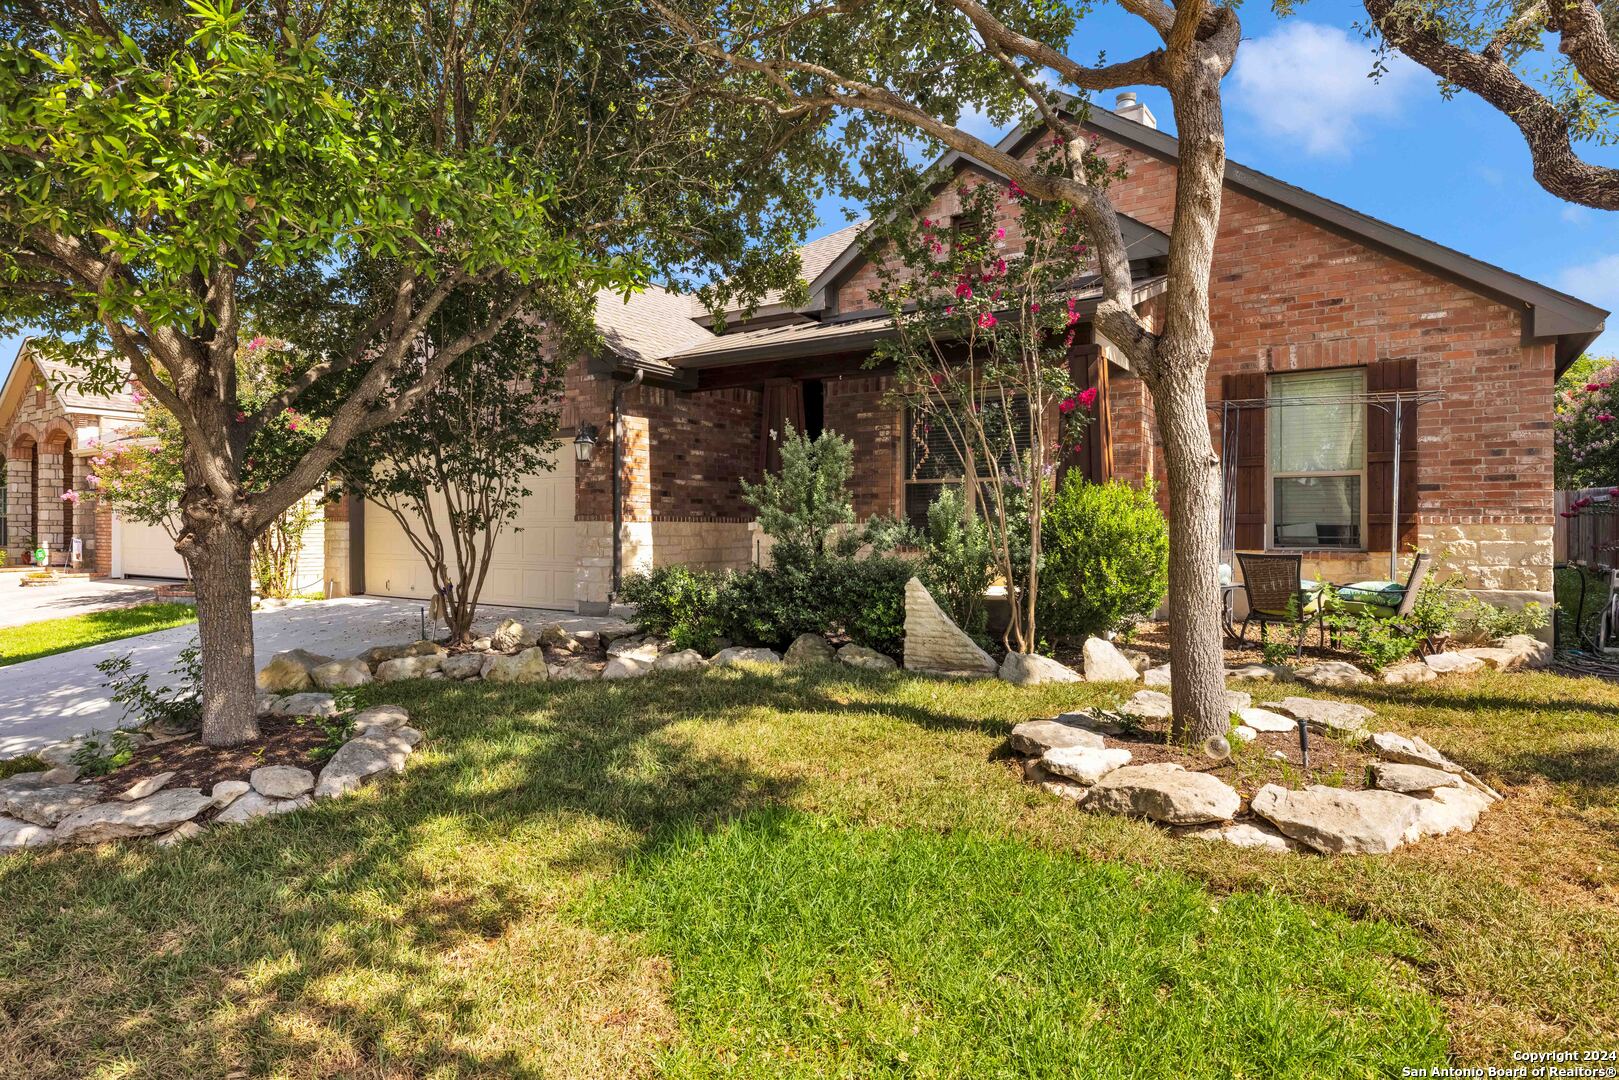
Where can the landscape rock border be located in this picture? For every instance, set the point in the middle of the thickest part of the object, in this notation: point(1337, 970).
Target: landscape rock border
point(36, 813)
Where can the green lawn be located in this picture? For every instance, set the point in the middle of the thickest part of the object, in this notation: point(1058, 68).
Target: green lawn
point(33, 640)
point(824, 874)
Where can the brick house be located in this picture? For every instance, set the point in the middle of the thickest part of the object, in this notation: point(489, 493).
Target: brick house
point(51, 430)
point(1323, 318)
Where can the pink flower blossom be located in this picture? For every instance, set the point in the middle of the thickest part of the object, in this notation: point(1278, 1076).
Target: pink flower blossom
point(964, 291)
point(1067, 405)
point(1035, 307)
point(1013, 191)
point(1087, 397)
point(1000, 234)
point(986, 320)
point(1000, 266)
point(70, 497)
point(1592, 387)
point(1604, 417)
point(240, 416)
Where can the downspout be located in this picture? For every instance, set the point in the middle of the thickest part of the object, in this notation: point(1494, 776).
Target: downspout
point(618, 482)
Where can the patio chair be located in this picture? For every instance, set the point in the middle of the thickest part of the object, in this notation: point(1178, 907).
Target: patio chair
point(1386, 599)
point(1276, 595)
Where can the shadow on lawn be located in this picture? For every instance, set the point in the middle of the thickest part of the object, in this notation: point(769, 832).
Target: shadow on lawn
point(326, 942)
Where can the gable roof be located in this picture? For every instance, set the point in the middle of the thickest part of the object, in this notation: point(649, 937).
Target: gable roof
point(1549, 313)
point(648, 325)
point(61, 379)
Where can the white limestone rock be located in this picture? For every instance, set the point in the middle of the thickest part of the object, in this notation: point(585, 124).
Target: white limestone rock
point(1166, 793)
point(1453, 663)
point(228, 791)
point(1330, 673)
point(16, 834)
point(528, 666)
point(308, 704)
point(1341, 718)
point(934, 643)
point(1412, 750)
point(290, 672)
point(408, 667)
point(1255, 836)
point(1038, 737)
point(808, 649)
point(1258, 673)
point(576, 671)
point(1336, 821)
point(341, 673)
point(859, 656)
point(255, 805)
point(359, 759)
point(680, 660)
point(188, 830)
point(627, 667)
point(1412, 671)
point(142, 788)
point(1084, 764)
point(1411, 779)
point(47, 805)
point(1531, 651)
point(144, 817)
point(1156, 676)
point(1447, 810)
point(379, 716)
point(282, 781)
point(738, 655)
point(1236, 700)
point(1496, 659)
point(1265, 720)
point(507, 636)
point(462, 665)
point(1104, 663)
point(1148, 705)
point(1032, 669)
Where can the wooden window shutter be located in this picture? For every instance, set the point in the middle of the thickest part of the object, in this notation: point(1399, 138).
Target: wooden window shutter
point(1386, 376)
point(1249, 467)
point(783, 404)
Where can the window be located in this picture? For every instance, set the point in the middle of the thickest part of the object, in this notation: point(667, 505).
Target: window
point(1317, 459)
point(931, 460)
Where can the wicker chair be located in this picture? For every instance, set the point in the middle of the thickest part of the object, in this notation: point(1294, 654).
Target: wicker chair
point(1271, 583)
point(1390, 601)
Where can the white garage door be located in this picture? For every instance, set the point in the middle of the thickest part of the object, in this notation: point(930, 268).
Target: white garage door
point(534, 565)
point(147, 551)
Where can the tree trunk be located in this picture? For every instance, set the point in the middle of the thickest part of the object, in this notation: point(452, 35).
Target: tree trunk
point(221, 567)
point(1198, 686)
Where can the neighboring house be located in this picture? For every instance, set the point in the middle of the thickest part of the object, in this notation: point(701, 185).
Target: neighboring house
point(52, 430)
point(1313, 303)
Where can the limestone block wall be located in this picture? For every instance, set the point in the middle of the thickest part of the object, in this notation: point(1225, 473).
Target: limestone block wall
point(706, 545)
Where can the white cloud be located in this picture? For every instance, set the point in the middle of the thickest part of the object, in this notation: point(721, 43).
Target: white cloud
point(1574, 215)
point(1309, 83)
point(1598, 283)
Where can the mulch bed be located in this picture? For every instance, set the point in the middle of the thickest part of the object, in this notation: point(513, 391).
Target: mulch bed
point(283, 740)
point(1252, 765)
point(1152, 638)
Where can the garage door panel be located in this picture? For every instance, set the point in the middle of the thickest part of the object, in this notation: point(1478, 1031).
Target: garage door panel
point(532, 565)
point(148, 551)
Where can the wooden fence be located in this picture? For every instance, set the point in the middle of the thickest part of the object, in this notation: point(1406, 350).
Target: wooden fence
point(1591, 535)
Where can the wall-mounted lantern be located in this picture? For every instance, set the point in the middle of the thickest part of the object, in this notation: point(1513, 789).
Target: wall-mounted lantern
point(584, 443)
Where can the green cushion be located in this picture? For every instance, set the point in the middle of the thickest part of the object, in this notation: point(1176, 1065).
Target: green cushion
point(1360, 607)
point(1310, 608)
point(1382, 593)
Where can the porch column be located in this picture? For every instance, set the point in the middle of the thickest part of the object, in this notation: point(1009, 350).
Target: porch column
point(19, 500)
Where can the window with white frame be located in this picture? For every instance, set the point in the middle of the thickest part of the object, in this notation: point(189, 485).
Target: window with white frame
point(1317, 458)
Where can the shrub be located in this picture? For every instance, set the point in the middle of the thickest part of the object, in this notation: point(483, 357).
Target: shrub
point(958, 562)
point(1106, 558)
point(679, 603)
point(871, 595)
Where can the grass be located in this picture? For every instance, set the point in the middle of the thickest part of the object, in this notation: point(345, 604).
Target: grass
point(821, 874)
point(34, 640)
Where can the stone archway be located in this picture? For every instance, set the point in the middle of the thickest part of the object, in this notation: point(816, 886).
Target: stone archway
point(22, 491)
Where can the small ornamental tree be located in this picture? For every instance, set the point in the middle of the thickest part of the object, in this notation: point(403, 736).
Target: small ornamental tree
point(981, 362)
point(1586, 425)
point(336, 174)
point(453, 471)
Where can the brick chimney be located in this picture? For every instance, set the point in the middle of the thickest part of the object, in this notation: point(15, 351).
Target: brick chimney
point(1128, 107)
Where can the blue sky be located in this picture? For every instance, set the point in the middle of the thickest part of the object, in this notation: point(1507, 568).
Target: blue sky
point(1299, 106)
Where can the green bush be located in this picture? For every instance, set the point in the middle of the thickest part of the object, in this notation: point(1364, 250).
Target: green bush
point(679, 603)
point(863, 599)
point(871, 596)
point(958, 563)
point(1106, 558)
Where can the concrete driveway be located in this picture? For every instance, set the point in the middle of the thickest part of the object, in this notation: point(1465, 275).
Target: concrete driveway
point(57, 697)
point(72, 596)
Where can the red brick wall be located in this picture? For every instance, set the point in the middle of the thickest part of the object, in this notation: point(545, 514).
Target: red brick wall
point(685, 453)
point(1289, 295)
point(855, 408)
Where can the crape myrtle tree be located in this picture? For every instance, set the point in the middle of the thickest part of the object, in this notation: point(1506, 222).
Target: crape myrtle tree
point(453, 471)
point(334, 174)
point(1549, 66)
point(981, 361)
point(919, 65)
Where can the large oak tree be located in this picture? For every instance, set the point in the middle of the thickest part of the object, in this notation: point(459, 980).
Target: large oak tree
point(336, 173)
point(876, 74)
